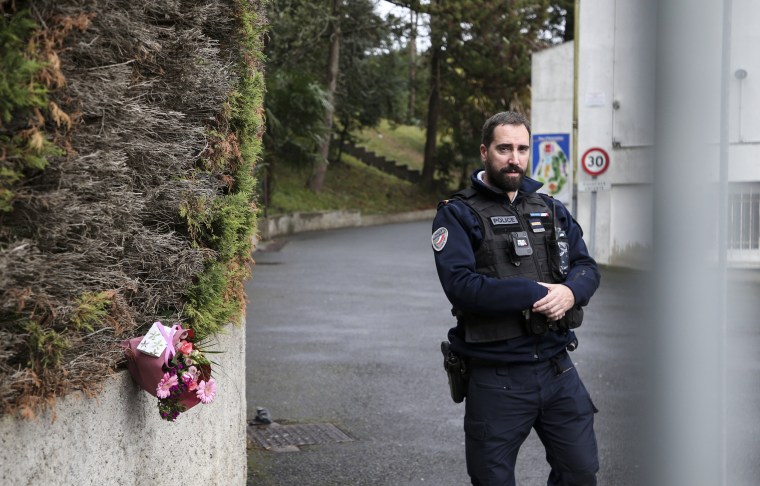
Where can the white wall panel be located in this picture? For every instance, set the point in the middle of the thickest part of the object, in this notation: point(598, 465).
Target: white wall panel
point(745, 54)
point(634, 73)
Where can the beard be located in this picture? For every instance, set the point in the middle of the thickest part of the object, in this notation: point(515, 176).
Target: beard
point(501, 178)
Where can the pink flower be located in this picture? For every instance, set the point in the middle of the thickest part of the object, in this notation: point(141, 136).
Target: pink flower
point(164, 386)
point(206, 390)
point(185, 347)
point(190, 378)
point(193, 372)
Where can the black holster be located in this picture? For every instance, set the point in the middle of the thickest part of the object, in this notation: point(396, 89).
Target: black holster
point(456, 371)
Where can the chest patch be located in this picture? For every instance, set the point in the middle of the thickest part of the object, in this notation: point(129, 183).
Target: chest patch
point(439, 239)
point(536, 226)
point(502, 220)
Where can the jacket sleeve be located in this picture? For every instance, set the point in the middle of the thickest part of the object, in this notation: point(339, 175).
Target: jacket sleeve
point(583, 276)
point(466, 289)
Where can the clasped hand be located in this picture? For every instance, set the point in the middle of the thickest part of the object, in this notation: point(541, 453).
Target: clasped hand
point(559, 300)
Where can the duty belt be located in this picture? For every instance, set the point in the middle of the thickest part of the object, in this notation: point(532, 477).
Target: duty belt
point(555, 362)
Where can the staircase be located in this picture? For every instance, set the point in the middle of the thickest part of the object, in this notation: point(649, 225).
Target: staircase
point(383, 164)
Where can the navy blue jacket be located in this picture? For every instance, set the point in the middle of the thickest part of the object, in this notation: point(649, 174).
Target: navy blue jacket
point(470, 291)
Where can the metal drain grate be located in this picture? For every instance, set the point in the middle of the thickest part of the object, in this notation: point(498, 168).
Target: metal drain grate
point(288, 437)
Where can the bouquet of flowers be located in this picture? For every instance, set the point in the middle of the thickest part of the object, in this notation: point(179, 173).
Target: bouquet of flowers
point(168, 364)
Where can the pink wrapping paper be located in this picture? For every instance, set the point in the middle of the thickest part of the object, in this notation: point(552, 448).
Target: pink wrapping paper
point(146, 370)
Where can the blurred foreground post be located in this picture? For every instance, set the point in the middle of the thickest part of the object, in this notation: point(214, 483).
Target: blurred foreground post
point(688, 446)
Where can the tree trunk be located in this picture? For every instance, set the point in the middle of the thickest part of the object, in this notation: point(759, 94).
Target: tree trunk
point(569, 22)
point(317, 180)
point(431, 132)
point(414, 17)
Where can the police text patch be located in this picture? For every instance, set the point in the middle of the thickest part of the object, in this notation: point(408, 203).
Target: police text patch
point(440, 237)
point(499, 220)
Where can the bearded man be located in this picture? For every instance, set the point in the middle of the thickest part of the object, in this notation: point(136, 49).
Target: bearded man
point(514, 266)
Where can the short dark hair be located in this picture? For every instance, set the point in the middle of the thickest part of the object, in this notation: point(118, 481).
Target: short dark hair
point(503, 118)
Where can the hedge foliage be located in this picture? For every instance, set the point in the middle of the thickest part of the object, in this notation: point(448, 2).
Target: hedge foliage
point(129, 135)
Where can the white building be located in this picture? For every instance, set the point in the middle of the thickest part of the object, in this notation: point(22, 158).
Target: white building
point(615, 99)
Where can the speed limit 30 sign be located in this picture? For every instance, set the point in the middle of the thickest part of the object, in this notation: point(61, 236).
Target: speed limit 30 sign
point(595, 161)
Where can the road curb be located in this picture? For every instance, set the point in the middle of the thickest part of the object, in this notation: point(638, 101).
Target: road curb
point(300, 222)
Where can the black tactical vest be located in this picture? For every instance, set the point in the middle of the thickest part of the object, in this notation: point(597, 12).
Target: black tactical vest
point(515, 244)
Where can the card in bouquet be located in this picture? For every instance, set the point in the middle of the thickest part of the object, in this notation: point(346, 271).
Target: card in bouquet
point(153, 343)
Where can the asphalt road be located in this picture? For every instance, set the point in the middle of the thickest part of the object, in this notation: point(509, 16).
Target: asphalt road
point(344, 328)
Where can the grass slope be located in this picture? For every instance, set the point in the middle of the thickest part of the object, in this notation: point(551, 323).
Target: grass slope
point(349, 185)
point(404, 144)
point(352, 185)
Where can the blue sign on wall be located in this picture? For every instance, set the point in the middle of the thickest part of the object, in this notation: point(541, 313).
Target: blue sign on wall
point(551, 163)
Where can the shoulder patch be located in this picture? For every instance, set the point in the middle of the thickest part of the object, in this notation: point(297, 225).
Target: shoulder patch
point(439, 239)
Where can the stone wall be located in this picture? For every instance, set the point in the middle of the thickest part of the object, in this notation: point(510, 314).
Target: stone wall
point(292, 223)
point(118, 438)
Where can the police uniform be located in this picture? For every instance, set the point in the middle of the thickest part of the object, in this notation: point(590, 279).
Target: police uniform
point(490, 253)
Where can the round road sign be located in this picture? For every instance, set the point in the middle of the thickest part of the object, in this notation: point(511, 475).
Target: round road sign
point(595, 161)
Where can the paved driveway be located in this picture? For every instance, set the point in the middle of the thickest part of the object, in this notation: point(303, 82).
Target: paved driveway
point(344, 327)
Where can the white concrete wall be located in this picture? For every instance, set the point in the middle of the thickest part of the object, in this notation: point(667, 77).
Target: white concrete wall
point(744, 125)
point(552, 102)
point(745, 122)
point(615, 113)
point(617, 48)
point(552, 92)
point(118, 438)
point(622, 232)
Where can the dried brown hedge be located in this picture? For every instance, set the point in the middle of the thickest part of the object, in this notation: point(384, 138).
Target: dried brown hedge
point(136, 87)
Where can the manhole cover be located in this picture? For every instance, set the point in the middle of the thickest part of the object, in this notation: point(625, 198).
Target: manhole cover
point(288, 437)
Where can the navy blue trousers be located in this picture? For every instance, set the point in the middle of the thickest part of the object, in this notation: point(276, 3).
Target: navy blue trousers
point(503, 404)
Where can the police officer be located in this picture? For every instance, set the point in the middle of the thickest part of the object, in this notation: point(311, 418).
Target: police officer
point(514, 266)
